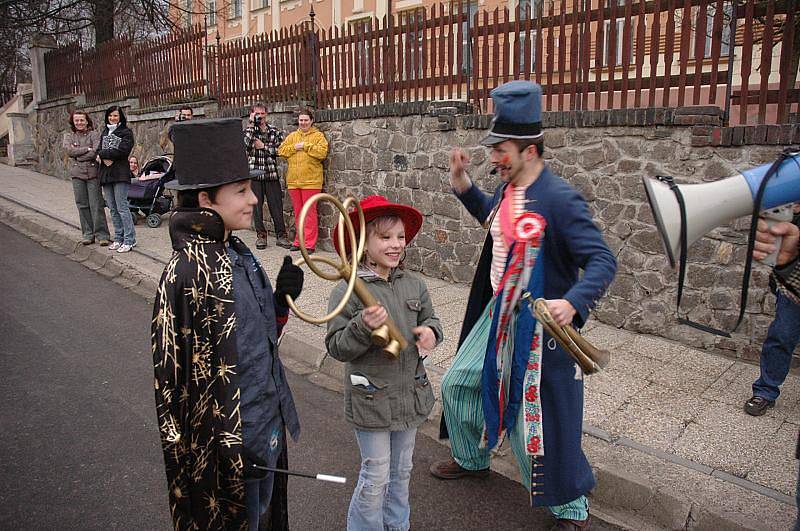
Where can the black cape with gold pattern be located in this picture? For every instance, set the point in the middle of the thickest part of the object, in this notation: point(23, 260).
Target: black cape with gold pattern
point(196, 381)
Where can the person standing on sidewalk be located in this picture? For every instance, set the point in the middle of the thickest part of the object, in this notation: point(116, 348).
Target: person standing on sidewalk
point(776, 352)
point(386, 398)
point(262, 140)
point(80, 145)
point(787, 277)
point(509, 379)
point(222, 397)
point(116, 143)
point(304, 150)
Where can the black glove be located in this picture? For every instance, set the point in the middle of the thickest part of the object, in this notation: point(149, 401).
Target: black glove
point(289, 281)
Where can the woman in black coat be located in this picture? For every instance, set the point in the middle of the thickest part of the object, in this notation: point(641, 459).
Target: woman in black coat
point(116, 143)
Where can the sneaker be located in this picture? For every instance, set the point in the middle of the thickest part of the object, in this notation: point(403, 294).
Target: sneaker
point(261, 241)
point(87, 241)
point(114, 246)
point(125, 248)
point(104, 243)
point(451, 470)
point(758, 405)
point(284, 242)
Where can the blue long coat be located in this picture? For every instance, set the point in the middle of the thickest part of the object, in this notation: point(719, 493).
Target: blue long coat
point(572, 243)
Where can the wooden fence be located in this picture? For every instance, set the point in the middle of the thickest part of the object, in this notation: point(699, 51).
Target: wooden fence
point(171, 68)
point(765, 26)
point(107, 73)
point(63, 68)
point(163, 70)
point(741, 55)
point(636, 53)
point(268, 67)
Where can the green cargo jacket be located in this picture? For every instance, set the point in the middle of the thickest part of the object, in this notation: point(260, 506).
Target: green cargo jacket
point(400, 396)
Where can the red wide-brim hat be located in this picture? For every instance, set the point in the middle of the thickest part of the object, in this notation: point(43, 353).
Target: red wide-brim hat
point(376, 206)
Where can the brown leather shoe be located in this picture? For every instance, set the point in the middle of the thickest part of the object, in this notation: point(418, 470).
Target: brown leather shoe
point(570, 525)
point(451, 470)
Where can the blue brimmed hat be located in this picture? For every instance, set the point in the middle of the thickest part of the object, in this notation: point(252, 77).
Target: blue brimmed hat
point(517, 112)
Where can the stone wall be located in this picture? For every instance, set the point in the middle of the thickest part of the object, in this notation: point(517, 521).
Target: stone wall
point(401, 151)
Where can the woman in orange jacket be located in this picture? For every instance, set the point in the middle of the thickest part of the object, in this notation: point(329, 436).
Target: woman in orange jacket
point(304, 150)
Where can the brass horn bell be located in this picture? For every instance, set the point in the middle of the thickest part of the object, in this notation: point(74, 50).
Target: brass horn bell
point(388, 337)
point(590, 358)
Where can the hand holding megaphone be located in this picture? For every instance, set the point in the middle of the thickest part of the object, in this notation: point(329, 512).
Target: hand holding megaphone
point(703, 207)
point(777, 238)
point(770, 218)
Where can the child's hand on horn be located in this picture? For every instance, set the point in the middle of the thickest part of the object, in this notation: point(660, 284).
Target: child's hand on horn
point(374, 316)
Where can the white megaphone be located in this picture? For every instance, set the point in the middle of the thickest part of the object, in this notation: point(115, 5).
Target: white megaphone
point(710, 205)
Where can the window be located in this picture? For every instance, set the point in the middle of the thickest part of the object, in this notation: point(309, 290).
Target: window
point(528, 9)
point(413, 64)
point(726, 30)
point(466, 27)
point(363, 67)
point(235, 9)
point(187, 13)
point(259, 4)
point(619, 25)
point(212, 12)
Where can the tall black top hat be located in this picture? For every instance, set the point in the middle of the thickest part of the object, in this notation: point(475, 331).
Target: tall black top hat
point(208, 153)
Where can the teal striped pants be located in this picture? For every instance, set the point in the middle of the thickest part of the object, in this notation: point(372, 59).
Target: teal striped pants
point(463, 412)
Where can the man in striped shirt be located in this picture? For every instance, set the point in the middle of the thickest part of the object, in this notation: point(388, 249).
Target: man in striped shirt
point(509, 379)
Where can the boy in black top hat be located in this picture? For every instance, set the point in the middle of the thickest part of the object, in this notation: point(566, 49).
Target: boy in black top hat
point(221, 393)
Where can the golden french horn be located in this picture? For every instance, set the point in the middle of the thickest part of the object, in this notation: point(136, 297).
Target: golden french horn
point(388, 337)
point(590, 358)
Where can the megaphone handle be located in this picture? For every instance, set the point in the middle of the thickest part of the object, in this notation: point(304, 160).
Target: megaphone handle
point(773, 216)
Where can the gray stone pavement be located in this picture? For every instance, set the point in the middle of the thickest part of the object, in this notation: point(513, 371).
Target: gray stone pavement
point(664, 426)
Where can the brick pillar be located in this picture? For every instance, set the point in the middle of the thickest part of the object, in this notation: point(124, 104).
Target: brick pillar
point(39, 45)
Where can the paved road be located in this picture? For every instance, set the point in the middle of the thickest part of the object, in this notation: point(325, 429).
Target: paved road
point(79, 443)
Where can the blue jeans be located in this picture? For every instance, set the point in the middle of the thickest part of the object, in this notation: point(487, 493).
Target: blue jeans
point(116, 195)
point(380, 500)
point(257, 498)
point(776, 353)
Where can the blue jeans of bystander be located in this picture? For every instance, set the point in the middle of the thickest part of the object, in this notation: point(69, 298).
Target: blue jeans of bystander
point(116, 195)
point(776, 353)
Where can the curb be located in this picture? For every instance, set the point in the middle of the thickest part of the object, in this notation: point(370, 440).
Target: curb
point(620, 498)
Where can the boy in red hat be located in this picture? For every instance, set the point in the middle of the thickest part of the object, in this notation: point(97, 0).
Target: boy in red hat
point(386, 399)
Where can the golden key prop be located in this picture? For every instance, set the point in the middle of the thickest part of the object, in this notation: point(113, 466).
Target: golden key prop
point(387, 336)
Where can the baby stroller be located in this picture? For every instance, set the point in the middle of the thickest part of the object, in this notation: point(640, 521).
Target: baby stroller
point(146, 194)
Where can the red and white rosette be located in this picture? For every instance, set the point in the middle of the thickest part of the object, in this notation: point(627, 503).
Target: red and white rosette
point(529, 227)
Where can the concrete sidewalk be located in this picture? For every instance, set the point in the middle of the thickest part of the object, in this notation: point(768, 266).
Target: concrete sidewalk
point(664, 426)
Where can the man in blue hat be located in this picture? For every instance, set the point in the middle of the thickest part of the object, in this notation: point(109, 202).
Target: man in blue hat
point(509, 379)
